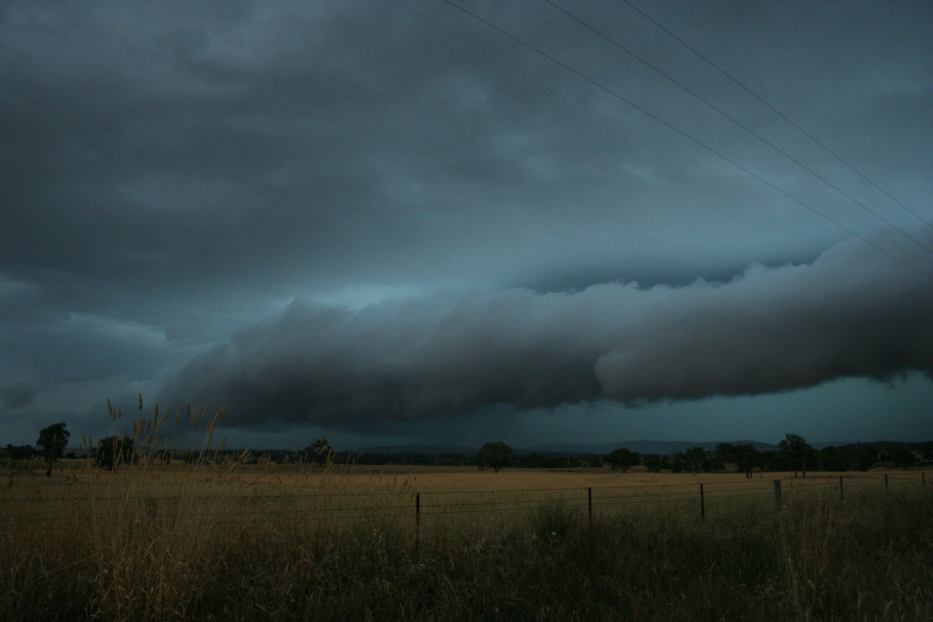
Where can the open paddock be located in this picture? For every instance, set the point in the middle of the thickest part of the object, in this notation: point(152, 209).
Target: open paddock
point(416, 543)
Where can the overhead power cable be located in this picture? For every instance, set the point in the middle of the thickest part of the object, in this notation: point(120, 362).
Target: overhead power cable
point(777, 111)
point(683, 133)
point(734, 120)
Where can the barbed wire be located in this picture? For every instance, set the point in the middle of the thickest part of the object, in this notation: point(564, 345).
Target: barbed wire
point(709, 487)
point(405, 511)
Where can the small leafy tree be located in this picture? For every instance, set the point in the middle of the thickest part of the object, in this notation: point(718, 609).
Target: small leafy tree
point(52, 441)
point(496, 455)
point(321, 450)
point(622, 458)
point(798, 452)
point(113, 451)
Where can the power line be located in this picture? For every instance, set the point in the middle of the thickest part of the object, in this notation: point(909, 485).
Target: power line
point(776, 111)
point(734, 120)
point(683, 133)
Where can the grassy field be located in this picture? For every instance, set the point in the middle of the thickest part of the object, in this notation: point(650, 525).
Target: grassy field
point(233, 541)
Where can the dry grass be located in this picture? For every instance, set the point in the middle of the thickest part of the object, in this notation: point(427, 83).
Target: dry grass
point(234, 541)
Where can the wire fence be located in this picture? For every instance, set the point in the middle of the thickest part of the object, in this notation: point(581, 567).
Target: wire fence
point(702, 496)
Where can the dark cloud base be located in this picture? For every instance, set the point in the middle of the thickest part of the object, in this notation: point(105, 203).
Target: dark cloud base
point(851, 313)
point(172, 174)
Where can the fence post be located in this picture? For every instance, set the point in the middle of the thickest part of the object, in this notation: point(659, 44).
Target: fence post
point(702, 502)
point(417, 521)
point(923, 479)
point(777, 492)
point(589, 505)
point(842, 495)
point(886, 489)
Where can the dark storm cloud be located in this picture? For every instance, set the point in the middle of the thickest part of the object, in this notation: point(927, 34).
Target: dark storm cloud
point(17, 394)
point(266, 149)
point(852, 313)
point(172, 172)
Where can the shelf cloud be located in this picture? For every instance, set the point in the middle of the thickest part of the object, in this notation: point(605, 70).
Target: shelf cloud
point(853, 312)
point(471, 232)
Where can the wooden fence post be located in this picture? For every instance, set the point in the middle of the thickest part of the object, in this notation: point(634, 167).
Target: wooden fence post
point(886, 489)
point(589, 505)
point(842, 495)
point(777, 492)
point(417, 521)
point(702, 502)
point(923, 479)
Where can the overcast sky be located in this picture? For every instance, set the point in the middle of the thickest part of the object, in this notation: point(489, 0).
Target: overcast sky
point(391, 223)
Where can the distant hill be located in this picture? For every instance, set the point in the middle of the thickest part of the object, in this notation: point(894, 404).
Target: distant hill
point(431, 450)
point(643, 446)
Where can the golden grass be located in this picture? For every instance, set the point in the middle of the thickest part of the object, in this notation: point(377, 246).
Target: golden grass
point(236, 491)
point(217, 538)
point(240, 541)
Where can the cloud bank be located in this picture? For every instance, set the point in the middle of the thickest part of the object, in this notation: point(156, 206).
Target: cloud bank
point(851, 313)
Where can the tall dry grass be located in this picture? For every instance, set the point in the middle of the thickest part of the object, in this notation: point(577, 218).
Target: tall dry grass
point(220, 539)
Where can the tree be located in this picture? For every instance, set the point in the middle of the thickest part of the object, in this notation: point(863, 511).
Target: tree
point(655, 462)
point(52, 441)
point(798, 452)
point(623, 458)
point(321, 450)
point(926, 450)
point(20, 452)
point(901, 456)
point(834, 459)
point(695, 457)
point(113, 451)
point(863, 458)
point(725, 453)
point(745, 457)
point(496, 455)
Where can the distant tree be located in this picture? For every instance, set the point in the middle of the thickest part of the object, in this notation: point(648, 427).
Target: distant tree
point(321, 450)
point(725, 452)
point(695, 457)
point(20, 452)
point(926, 450)
point(623, 458)
point(712, 462)
point(112, 451)
point(655, 462)
point(52, 441)
point(861, 458)
point(798, 452)
point(745, 457)
point(901, 456)
point(834, 459)
point(495, 455)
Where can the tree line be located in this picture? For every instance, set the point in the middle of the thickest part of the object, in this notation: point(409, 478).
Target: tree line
point(793, 453)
